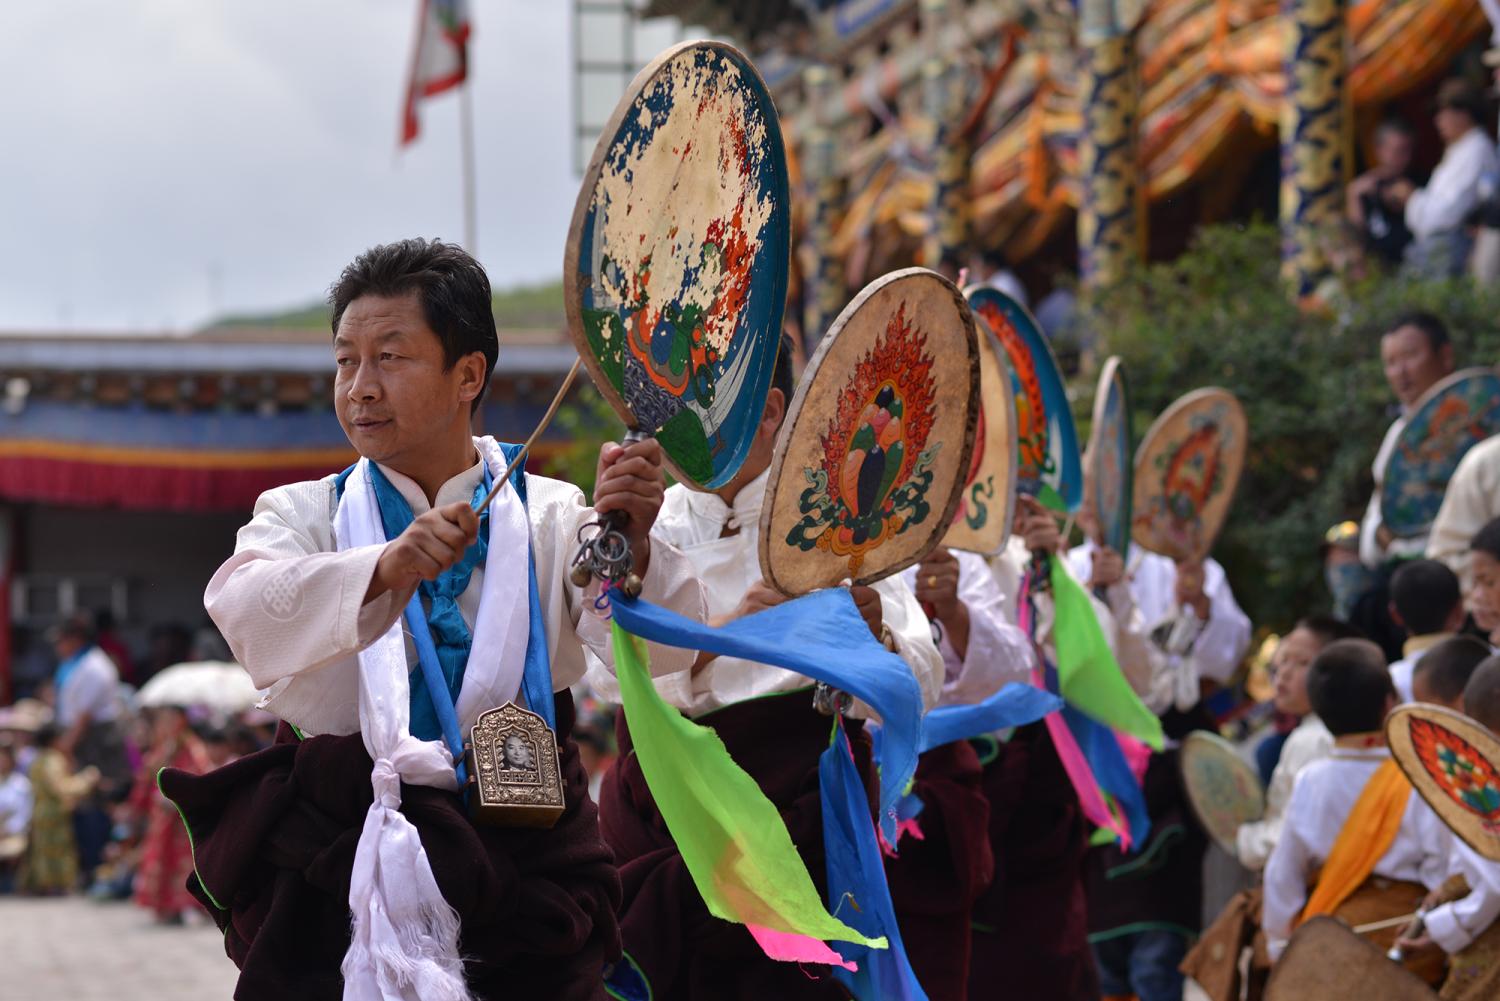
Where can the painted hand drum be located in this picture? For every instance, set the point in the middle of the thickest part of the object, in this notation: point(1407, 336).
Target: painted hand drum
point(1048, 465)
point(677, 260)
point(1454, 762)
point(982, 522)
point(1450, 418)
point(1222, 789)
point(1326, 960)
point(873, 456)
point(1109, 458)
point(1185, 473)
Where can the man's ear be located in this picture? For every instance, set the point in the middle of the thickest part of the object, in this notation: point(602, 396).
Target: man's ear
point(774, 414)
point(472, 375)
point(1390, 608)
point(1447, 355)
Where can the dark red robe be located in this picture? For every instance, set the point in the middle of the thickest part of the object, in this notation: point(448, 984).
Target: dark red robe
point(681, 950)
point(1030, 929)
point(936, 881)
point(274, 835)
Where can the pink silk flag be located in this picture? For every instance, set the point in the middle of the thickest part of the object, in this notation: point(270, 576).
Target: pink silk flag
point(441, 59)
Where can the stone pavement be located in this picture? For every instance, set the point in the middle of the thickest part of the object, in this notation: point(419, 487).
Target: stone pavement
point(71, 949)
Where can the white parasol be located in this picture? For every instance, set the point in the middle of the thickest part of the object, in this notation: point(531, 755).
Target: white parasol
point(218, 685)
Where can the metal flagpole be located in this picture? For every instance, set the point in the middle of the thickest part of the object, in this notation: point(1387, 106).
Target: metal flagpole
point(466, 138)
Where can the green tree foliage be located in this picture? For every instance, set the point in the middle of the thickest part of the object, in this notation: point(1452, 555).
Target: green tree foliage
point(1311, 384)
point(587, 422)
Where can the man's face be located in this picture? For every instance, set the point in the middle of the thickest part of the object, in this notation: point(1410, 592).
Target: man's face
point(1411, 365)
point(1392, 152)
point(1452, 124)
point(393, 392)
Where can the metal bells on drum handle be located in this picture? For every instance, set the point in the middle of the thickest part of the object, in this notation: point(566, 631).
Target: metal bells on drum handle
point(607, 554)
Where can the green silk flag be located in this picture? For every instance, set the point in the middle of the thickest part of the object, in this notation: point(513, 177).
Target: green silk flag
point(731, 837)
point(1088, 675)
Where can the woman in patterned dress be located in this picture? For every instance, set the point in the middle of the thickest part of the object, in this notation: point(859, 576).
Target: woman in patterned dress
point(166, 852)
point(50, 866)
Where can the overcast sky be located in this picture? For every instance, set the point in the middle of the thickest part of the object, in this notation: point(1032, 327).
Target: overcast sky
point(163, 161)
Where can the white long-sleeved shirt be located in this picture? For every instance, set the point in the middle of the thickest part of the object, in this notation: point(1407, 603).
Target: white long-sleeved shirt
point(1453, 190)
point(1456, 924)
point(998, 652)
point(1412, 651)
point(1322, 798)
point(1309, 742)
point(15, 804)
point(1370, 553)
point(92, 688)
point(292, 608)
point(693, 522)
point(1471, 501)
point(1223, 639)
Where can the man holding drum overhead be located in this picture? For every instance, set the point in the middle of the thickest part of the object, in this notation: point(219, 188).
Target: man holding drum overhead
point(766, 718)
point(357, 806)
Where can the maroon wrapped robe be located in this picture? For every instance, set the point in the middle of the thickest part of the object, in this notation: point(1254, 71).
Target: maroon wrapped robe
point(1030, 936)
point(935, 881)
point(274, 835)
point(680, 949)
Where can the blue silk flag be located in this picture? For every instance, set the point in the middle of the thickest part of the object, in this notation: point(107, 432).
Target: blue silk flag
point(857, 890)
point(822, 636)
point(1014, 705)
point(1112, 772)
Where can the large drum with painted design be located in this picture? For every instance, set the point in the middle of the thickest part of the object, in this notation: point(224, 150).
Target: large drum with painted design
point(1109, 458)
point(1454, 762)
point(1186, 470)
point(876, 447)
point(1222, 789)
point(982, 522)
point(1450, 418)
point(1048, 465)
point(676, 267)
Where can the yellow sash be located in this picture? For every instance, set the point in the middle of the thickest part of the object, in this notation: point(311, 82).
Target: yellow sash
point(1364, 839)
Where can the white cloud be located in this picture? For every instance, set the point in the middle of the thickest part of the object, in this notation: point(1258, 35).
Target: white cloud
point(147, 146)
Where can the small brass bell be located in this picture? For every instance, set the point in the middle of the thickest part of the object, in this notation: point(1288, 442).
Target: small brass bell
point(631, 586)
point(580, 575)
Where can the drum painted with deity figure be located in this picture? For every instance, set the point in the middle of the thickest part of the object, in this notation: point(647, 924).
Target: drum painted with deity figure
point(1048, 465)
point(1186, 471)
point(1108, 458)
point(1450, 418)
point(873, 456)
point(983, 519)
point(676, 267)
point(1454, 762)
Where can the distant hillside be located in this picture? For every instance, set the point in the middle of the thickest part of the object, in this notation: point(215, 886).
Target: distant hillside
point(530, 307)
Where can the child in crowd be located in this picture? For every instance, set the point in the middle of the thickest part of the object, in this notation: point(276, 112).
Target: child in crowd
point(50, 866)
point(1357, 842)
point(1214, 963)
point(15, 815)
point(1425, 600)
point(1444, 671)
point(1461, 918)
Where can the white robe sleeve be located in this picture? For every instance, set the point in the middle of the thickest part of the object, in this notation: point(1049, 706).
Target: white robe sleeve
point(285, 603)
point(998, 652)
point(1221, 645)
point(1470, 502)
point(1455, 925)
point(1286, 877)
point(902, 614)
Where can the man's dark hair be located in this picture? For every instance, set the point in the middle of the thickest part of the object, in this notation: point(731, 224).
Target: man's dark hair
point(1425, 594)
point(1349, 687)
point(452, 286)
point(1447, 667)
point(1431, 327)
point(1328, 629)
point(781, 375)
point(1487, 539)
point(1396, 127)
point(74, 627)
point(1482, 694)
